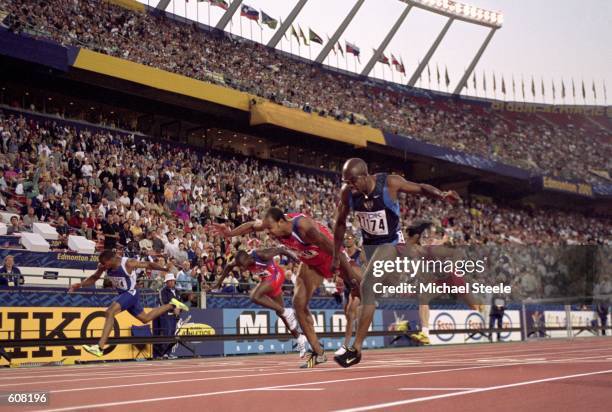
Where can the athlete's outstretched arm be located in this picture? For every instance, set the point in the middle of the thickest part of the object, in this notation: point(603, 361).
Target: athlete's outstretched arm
point(398, 184)
point(89, 281)
point(243, 229)
point(311, 234)
point(133, 264)
point(342, 213)
point(269, 253)
point(226, 271)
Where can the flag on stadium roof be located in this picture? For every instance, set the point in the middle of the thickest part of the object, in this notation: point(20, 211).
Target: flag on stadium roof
point(268, 21)
point(382, 58)
point(543, 89)
point(446, 78)
point(249, 12)
point(295, 34)
point(340, 49)
point(594, 91)
point(438, 74)
point(503, 85)
point(523, 86)
point(554, 91)
point(605, 93)
point(428, 73)
point(402, 68)
point(532, 86)
point(220, 3)
point(513, 87)
point(333, 46)
point(351, 48)
point(303, 36)
point(494, 82)
point(394, 60)
point(583, 90)
point(314, 37)
point(562, 89)
point(573, 88)
point(484, 81)
point(474, 81)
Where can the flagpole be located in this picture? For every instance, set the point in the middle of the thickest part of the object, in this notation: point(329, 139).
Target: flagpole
point(208, 4)
point(241, 27)
point(261, 34)
point(251, 29)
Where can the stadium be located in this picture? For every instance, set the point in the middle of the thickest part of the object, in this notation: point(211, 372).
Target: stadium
point(202, 202)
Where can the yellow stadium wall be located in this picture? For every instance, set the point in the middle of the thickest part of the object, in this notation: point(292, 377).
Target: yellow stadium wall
point(59, 322)
point(264, 112)
point(128, 4)
point(160, 79)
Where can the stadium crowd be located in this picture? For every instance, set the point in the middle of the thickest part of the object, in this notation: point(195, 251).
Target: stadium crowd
point(570, 148)
point(155, 201)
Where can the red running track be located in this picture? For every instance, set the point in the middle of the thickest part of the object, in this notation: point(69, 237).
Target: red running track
point(549, 375)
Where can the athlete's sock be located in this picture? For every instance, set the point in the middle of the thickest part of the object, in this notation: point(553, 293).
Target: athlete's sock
point(425, 331)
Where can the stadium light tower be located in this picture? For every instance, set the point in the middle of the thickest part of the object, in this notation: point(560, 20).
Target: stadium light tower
point(288, 22)
point(455, 10)
point(380, 49)
point(336, 37)
point(227, 16)
point(162, 5)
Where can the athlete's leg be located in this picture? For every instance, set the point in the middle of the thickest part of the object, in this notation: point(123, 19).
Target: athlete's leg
point(306, 283)
point(368, 307)
point(146, 317)
point(351, 316)
point(113, 310)
point(260, 296)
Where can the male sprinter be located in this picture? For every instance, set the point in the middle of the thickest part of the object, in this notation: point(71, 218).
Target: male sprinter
point(269, 292)
point(351, 300)
point(121, 271)
point(313, 243)
point(374, 199)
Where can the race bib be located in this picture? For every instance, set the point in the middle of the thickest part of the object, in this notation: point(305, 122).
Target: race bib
point(118, 283)
point(373, 223)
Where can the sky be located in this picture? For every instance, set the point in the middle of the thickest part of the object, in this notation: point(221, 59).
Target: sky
point(551, 40)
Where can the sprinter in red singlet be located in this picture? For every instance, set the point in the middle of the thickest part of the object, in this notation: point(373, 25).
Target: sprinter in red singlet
point(313, 243)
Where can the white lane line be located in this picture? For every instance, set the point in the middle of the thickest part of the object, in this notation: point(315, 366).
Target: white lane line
point(490, 388)
point(436, 389)
point(233, 391)
point(289, 389)
point(291, 372)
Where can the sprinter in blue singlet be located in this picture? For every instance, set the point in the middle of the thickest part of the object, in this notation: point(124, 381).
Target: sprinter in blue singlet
point(374, 200)
point(121, 271)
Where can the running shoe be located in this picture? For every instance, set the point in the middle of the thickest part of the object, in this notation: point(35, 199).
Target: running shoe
point(289, 316)
point(312, 360)
point(179, 304)
point(94, 350)
point(349, 358)
point(300, 345)
point(341, 351)
point(421, 338)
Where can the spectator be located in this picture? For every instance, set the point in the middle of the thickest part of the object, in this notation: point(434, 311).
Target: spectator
point(10, 273)
point(167, 322)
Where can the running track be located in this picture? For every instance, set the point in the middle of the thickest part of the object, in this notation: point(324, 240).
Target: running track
point(544, 375)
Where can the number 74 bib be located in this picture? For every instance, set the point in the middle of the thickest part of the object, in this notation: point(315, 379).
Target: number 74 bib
point(373, 223)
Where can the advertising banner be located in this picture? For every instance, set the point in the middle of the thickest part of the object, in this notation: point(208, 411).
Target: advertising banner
point(441, 320)
point(58, 323)
point(200, 322)
point(254, 321)
point(64, 260)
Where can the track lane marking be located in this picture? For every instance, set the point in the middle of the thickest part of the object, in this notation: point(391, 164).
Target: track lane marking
point(469, 392)
point(243, 390)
